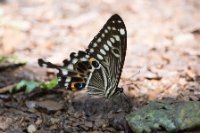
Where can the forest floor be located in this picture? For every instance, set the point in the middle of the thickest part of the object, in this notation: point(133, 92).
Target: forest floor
point(162, 61)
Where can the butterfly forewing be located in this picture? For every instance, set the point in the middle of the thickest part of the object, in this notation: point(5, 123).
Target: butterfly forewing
point(109, 48)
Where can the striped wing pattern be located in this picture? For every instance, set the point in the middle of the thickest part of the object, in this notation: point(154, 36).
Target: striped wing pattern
point(99, 67)
point(109, 48)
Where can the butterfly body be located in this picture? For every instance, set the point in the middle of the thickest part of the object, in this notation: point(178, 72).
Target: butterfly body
point(99, 67)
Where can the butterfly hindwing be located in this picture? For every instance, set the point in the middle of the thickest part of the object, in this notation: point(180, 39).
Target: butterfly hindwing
point(74, 72)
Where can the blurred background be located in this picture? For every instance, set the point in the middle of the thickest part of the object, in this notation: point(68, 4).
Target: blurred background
point(163, 54)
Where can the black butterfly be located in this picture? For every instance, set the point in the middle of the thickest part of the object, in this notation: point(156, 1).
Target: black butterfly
point(99, 67)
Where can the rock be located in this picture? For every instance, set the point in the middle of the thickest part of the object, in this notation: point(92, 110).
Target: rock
point(101, 123)
point(38, 121)
point(30, 104)
point(53, 127)
point(54, 120)
point(84, 127)
point(5, 122)
point(166, 116)
point(49, 105)
point(88, 124)
point(68, 129)
point(31, 128)
point(78, 114)
point(110, 129)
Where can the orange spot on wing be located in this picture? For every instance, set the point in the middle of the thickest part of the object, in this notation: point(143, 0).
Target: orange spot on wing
point(72, 86)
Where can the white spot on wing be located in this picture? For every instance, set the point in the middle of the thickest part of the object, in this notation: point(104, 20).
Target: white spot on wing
point(70, 67)
point(91, 50)
point(106, 31)
point(66, 84)
point(64, 71)
point(83, 59)
point(112, 40)
point(102, 51)
point(113, 21)
point(94, 44)
point(117, 38)
point(87, 56)
point(106, 47)
point(59, 79)
point(68, 79)
point(44, 65)
point(109, 28)
point(122, 31)
point(102, 35)
point(74, 60)
point(99, 57)
point(109, 43)
point(113, 28)
point(99, 40)
point(119, 21)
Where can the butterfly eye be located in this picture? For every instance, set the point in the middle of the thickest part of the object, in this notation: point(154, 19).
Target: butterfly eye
point(79, 86)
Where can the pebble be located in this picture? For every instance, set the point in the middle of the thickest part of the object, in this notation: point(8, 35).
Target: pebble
point(77, 114)
point(88, 124)
point(54, 120)
point(31, 128)
point(5, 122)
point(101, 123)
point(30, 104)
point(50, 105)
point(85, 128)
point(38, 121)
point(68, 129)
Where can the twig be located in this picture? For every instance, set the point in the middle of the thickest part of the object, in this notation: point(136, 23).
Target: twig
point(10, 65)
point(7, 88)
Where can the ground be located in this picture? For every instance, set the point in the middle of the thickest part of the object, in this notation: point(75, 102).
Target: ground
point(162, 61)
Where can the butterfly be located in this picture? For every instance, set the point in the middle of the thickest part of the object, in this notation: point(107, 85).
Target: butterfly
point(99, 67)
